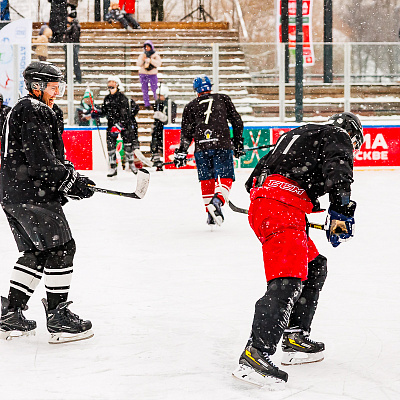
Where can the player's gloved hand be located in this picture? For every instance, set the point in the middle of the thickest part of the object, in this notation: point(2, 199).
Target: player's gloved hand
point(340, 225)
point(180, 158)
point(96, 113)
point(76, 185)
point(239, 150)
point(160, 116)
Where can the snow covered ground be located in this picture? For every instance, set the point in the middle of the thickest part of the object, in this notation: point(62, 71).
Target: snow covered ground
point(172, 302)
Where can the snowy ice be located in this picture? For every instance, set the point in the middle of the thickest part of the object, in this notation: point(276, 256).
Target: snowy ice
point(172, 302)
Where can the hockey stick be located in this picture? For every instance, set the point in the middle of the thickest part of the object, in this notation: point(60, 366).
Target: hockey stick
point(321, 227)
point(143, 179)
point(267, 146)
point(150, 163)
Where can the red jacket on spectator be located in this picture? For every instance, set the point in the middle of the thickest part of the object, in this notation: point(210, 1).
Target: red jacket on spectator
point(129, 6)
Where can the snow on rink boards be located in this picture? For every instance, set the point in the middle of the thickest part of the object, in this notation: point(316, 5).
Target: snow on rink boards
point(172, 302)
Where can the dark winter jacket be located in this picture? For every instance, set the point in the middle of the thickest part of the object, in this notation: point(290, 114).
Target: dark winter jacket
point(205, 119)
point(58, 19)
point(32, 154)
point(116, 109)
point(73, 32)
point(4, 110)
point(318, 157)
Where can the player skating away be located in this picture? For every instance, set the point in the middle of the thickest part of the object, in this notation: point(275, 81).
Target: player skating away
point(36, 178)
point(205, 120)
point(119, 122)
point(305, 164)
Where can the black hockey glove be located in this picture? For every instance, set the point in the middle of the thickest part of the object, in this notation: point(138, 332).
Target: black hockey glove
point(180, 158)
point(340, 223)
point(96, 113)
point(239, 150)
point(76, 185)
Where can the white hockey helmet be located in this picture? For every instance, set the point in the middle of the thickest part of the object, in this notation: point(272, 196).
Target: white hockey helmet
point(116, 80)
point(163, 90)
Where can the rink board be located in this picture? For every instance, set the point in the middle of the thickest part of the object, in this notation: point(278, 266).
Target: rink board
point(87, 148)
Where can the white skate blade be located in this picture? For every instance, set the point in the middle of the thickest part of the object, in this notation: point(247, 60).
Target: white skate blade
point(249, 375)
point(64, 337)
point(217, 219)
point(297, 357)
point(10, 335)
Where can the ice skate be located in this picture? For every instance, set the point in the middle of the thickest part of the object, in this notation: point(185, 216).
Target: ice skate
point(13, 323)
point(210, 219)
point(214, 209)
point(157, 162)
point(65, 326)
point(298, 348)
point(112, 171)
point(257, 369)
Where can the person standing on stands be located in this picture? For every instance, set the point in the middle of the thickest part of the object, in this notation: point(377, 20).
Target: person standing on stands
point(128, 6)
point(41, 48)
point(58, 19)
point(157, 8)
point(73, 35)
point(148, 62)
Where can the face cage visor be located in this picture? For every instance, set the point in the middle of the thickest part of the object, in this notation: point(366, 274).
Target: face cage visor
point(53, 88)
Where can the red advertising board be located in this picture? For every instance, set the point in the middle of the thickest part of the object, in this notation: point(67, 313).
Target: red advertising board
point(172, 139)
point(78, 148)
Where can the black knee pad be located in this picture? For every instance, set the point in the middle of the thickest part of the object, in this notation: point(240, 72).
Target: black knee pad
point(317, 272)
point(60, 256)
point(285, 288)
point(31, 260)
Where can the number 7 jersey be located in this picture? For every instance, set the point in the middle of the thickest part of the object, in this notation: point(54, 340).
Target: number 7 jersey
point(205, 119)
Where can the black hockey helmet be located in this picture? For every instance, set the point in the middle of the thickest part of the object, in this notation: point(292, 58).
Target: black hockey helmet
point(352, 125)
point(38, 73)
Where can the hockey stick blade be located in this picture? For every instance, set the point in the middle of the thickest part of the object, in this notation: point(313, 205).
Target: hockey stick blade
point(313, 225)
point(143, 179)
point(143, 158)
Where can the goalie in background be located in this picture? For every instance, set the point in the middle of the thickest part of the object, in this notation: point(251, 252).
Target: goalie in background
point(163, 107)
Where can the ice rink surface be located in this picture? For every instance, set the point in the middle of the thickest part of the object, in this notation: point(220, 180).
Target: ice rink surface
point(172, 302)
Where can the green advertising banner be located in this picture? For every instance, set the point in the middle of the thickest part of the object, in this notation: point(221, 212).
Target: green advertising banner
point(254, 137)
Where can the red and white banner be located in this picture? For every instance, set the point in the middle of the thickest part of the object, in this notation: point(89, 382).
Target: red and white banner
point(308, 49)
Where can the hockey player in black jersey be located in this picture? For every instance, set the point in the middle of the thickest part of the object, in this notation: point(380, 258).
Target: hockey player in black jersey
point(36, 180)
point(160, 120)
point(119, 122)
point(205, 120)
point(306, 163)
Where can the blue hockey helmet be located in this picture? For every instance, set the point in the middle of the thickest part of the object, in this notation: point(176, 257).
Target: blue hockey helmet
point(202, 83)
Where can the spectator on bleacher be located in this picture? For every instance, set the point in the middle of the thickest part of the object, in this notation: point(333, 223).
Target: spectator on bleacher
point(73, 35)
point(84, 110)
point(157, 9)
point(161, 111)
point(58, 19)
point(115, 14)
point(41, 48)
point(129, 7)
point(149, 62)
